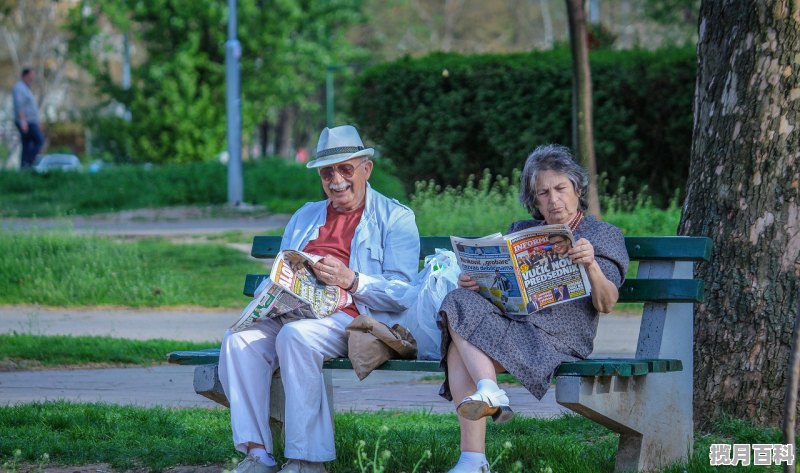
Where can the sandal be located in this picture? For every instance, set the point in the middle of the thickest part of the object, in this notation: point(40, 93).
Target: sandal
point(480, 405)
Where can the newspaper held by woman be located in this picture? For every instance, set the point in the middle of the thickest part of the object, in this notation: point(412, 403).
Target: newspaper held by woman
point(525, 271)
point(292, 288)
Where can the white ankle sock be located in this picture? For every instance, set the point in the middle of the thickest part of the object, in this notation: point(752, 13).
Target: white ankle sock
point(470, 461)
point(487, 386)
point(263, 456)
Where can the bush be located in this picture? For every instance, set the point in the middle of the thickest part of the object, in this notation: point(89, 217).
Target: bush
point(446, 116)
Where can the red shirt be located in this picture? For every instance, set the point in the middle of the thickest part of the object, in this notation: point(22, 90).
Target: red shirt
point(334, 240)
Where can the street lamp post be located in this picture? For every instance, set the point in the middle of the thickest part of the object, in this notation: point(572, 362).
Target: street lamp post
point(233, 107)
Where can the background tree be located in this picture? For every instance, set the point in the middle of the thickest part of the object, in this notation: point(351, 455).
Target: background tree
point(743, 193)
point(582, 131)
point(174, 109)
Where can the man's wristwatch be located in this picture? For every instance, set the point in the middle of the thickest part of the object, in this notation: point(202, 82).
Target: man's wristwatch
point(353, 285)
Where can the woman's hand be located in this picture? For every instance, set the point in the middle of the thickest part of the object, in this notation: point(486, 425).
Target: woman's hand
point(582, 252)
point(331, 271)
point(604, 293)
point(466, 282)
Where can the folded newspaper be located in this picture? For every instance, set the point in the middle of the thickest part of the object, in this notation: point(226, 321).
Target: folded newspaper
point(293, 287)
point(525, 271)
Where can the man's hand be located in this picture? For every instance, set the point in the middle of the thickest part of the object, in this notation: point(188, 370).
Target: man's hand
point(331, 271)
point(467, 282)
point(23, 124)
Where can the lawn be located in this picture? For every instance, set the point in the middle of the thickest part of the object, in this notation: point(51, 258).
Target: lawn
point(64, 269)
point(158, 438)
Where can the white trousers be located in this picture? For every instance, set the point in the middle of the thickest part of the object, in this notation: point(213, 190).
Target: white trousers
point(298, 347)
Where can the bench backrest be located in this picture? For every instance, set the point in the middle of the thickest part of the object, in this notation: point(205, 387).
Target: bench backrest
point(672, 248)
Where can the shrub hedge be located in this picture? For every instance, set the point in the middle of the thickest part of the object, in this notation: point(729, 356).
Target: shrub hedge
point(446, 116)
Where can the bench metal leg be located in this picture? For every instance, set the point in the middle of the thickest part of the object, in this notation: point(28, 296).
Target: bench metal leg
point(652, 413)
point(654, 431)
point(207, 384)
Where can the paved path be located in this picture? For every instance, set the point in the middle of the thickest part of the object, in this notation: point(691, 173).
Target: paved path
point(172, 385)
point(130, 226)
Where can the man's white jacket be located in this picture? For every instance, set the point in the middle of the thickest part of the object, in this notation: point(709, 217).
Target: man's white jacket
point(385, 248)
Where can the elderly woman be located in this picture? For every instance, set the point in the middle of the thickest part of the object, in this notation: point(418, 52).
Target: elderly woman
point(479, 340)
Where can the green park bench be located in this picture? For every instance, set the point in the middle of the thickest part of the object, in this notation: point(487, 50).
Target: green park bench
point(647, 399)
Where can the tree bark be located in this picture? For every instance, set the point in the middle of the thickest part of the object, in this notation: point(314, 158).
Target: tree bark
point(284, 131)
point(582, 134)
point(743, 194)
point(790, 401)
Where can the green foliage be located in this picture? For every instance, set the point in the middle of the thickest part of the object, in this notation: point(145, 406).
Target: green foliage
point(53, 351)
point(446, 116)
point(175, 108)
point(473, 210)
point(60, 269)
point(492, 204)
point(277, 184)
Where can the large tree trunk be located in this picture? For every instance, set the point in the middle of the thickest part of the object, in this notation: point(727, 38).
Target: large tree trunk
point(582, 134)
point(743, 193)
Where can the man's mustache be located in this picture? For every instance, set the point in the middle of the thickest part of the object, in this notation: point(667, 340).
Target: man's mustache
point(338, 187)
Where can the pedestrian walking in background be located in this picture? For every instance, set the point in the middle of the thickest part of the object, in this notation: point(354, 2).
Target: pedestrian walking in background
point(26, 117)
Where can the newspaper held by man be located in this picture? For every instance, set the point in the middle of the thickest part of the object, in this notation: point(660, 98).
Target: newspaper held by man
point(525, 271)
point(292, 287)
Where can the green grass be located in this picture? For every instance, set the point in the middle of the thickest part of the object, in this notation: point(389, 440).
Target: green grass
point(54, 351)
point(281, 186)
point(157, 438)
point(60, 269)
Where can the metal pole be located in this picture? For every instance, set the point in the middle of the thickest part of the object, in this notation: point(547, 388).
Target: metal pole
point(126, 62)
point(329, 96)
point(233, 107)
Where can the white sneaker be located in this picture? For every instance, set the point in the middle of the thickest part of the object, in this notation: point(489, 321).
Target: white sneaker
point(251, 464)
point(481, 404)
point(483, 469)
point(302, 466)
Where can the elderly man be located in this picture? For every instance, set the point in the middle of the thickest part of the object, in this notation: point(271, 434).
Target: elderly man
point(367, 240)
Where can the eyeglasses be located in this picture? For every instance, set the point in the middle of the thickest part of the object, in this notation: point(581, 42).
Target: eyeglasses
point(345, 170)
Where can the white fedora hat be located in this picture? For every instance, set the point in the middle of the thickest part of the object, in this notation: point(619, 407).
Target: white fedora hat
point(339, 144)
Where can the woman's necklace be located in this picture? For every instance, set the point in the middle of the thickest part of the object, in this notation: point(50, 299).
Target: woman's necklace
point(575, 221)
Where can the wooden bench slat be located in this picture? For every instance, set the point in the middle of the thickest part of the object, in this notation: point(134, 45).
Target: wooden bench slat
point(194, 357)
point(618, 367)
point(590, 367)
point(672, 248)
point(251, 282)
point(662, 290)
point(633, 290)
point(265, 246)
point(603, 368)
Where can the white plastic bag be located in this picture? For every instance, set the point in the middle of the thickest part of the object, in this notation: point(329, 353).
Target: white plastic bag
point(437, 278)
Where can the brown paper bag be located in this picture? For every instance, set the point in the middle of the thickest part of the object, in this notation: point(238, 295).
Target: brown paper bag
point(370, 343)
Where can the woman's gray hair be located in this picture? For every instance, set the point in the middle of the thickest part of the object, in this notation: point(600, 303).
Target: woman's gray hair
point(551, 158)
